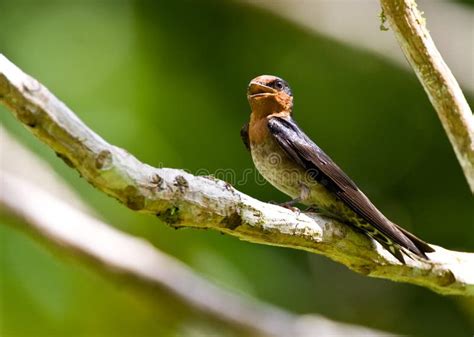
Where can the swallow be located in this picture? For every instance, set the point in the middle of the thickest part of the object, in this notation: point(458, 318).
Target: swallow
point(287, 158)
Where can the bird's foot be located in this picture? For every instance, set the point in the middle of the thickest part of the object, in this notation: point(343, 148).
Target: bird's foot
point(288, 205)
point(292, 208)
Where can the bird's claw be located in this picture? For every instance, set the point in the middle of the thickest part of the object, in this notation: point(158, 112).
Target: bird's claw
point(292, 208)
point(287, 205)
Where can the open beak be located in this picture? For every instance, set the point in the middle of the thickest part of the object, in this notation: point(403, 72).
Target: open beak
point(257, 89)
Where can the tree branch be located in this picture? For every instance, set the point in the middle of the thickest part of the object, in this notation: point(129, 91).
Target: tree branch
point(439, 83)
point(181, 199)
point(137, 264)
point(32, 194)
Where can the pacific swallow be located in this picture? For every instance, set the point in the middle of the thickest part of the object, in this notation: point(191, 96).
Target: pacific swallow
point(287, 158)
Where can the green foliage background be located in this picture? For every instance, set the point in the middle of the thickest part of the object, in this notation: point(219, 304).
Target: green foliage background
point(166, 80)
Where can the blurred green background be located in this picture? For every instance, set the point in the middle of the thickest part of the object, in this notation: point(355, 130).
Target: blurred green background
point(166, 80)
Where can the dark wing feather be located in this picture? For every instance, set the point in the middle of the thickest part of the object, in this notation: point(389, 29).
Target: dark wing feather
point(244, 134)
point(307, 154)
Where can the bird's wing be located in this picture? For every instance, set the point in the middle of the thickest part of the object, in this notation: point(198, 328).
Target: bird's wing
point(244, 134)
point(320, 167)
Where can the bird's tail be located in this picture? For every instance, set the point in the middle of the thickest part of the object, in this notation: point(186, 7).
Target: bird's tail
point(422, 246)
point(412, 244)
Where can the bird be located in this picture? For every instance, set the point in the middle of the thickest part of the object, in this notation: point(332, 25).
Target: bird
point(287, 158)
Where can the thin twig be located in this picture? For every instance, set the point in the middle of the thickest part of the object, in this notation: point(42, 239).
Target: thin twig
point(442, 88)
point(181, 199)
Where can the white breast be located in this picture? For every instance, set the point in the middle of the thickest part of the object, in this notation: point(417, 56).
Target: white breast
point(274, 167)
point(287, 176)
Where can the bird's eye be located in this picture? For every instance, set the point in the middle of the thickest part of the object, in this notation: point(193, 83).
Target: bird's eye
point(278, 85)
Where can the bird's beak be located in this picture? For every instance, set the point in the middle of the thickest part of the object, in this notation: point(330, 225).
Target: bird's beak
point(257, 89)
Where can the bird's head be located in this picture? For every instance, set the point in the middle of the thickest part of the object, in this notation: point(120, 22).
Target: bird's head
point(268, 95)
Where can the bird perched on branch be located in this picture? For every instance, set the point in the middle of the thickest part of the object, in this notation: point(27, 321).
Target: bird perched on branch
point(295, 165)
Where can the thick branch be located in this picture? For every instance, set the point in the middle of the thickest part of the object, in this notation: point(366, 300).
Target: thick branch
point(137, 264)
point(32, 194)
point(181, 199)
point(439, 83)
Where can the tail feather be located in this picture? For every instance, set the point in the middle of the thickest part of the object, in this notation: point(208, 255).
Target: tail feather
point(422, 246)
point(414, 244)
point(394, 250)
point(407, 242)
point(386, 243)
